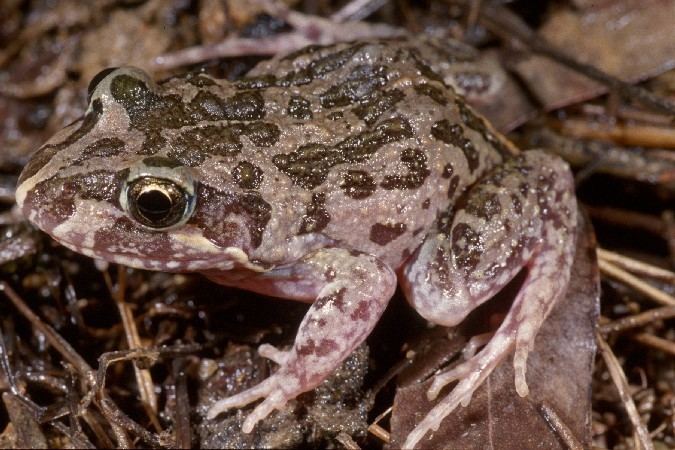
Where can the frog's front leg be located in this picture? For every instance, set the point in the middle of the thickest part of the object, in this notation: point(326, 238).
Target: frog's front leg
point(351, 290)
point(520, 215)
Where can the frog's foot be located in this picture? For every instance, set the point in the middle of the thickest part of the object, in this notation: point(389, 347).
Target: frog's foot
point(267, 389)
point(354, 291)
point(528, 312)
point(522, 215)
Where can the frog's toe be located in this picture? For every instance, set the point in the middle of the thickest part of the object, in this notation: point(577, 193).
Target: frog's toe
point(460, 394)
point(274, 354)
point(444, 378)
point(250, 395)
point(276, 400)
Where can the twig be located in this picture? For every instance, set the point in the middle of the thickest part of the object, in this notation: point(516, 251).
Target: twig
point(376, 430)
point(357, 10)
point(308, 30)
point(656, 342)
point(636, 267)
point(503, 22)
point(146, 387)
point(55, 340)
point(560, 427)
point(347, 441)
point(669, 233)
point(619, 379)
point(638, 320)
point(181, 418)
point(629, 280)
point(623, 134)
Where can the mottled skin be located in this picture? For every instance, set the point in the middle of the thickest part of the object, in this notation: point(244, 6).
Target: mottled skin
point(323, 176)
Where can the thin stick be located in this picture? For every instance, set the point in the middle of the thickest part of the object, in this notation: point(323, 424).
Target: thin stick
point(55, 340)
point(623, 134)
point(656, 342)
point(619, 379)
point(357, 10)
point(560, 427)
point(376, 430)
point(635, 266)
point(638, 320)
point(635, 283)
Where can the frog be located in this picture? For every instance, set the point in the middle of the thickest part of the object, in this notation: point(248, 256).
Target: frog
point(329, 175)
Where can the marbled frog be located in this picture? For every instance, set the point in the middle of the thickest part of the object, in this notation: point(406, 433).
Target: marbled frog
point(325, 176)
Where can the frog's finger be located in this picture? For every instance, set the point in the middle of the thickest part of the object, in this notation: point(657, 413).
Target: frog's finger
point(243, 398)
point(272, 353)
point(276, 400)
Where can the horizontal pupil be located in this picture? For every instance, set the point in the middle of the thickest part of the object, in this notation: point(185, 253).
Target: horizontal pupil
point(154, 204)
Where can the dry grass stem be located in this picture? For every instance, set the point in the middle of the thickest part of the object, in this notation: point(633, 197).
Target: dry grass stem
point(623, 134)
point(560, 427)
point(635, 283)
point(656, 342)
point(635, 266)
point(638, 320)
point(621, 383)
point(347, 441)
point(376, 430)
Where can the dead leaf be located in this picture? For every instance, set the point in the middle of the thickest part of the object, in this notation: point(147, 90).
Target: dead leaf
point(630, 39)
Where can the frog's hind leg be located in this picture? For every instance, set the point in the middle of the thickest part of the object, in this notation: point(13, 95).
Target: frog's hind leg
point(520, 215)
point(350, 291)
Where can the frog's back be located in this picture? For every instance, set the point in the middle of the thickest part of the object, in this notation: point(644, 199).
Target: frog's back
point(372, 145)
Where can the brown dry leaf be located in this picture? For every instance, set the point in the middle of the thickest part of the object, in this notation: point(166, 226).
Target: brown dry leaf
point(558, 375)
point(630, 39)
point(503, 102)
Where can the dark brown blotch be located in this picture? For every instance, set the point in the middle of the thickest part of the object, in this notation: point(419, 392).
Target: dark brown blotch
point(299, 108)
point(448, 170)
point(484, 205)
point(433, 92)
point(370, 109)
point(310, 164)
point(453, 134)
point(247, 175)
point(452, 186)
point(358, 184)
point(316, 217)
point(247, 105)
point(359, 84)
point(466, 246)
point(261, 134)
point(194, 146)
point(383, 234)
point(415, 160)
point(57, 196)
point(215, 206)
point(103, 148)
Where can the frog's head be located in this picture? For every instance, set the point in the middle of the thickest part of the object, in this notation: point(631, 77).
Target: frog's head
point(107, 185)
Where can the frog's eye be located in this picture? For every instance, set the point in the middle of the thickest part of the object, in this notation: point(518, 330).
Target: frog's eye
point(158, 203)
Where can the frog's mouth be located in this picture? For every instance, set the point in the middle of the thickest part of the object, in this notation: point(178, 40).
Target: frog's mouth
point(177, 252)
